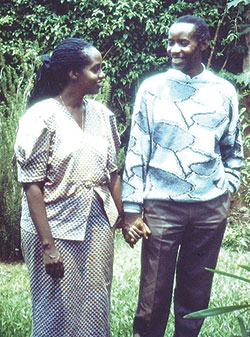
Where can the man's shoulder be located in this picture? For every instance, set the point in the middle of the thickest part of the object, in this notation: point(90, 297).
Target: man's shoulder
point(154, 81)
point(155, 78)
point(218, 80)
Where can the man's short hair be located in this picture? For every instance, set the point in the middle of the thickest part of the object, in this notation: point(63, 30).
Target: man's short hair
point(201, 28)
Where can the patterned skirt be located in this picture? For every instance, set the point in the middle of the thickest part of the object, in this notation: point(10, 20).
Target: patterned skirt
point(79, 304)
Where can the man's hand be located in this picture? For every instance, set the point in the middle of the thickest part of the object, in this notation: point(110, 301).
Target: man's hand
point(134, 228)
point(53, 262)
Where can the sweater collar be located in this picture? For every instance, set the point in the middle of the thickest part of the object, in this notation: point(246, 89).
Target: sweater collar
point(179, 75)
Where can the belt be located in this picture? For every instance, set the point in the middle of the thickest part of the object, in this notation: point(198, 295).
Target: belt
point(92, 184)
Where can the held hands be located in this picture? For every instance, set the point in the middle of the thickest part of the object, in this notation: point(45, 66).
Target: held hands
point(134, 228)
point(53, 262)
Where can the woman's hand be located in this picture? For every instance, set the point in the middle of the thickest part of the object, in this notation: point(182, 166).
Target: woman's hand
point(53, 262)
point(134, 228)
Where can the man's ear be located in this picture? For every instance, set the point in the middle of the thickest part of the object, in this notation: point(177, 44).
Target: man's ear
point(73, 74)
point(204, 44)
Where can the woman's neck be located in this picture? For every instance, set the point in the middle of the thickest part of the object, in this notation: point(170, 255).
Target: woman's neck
point(71, 100)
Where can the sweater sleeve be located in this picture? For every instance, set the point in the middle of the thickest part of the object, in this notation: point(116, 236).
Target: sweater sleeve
point(231, 146)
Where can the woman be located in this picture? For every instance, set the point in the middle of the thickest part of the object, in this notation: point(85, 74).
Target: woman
point(66, 150)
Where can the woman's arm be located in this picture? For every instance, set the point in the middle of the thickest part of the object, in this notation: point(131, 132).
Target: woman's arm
point(52, 258)
point(132, 224)
point(115, 190)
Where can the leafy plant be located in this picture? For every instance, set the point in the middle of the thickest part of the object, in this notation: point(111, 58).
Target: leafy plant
point(131, 34)
point(15, 300)
point(15, 89)
point(237, 233)
point(226, 309)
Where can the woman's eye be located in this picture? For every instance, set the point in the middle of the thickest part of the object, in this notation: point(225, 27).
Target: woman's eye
point(97, 68)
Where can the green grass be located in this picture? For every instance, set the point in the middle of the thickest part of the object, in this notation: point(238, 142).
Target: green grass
point(15, 303)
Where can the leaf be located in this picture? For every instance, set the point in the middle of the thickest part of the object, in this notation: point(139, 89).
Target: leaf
point(243, 78)
point(244, 267)
point(216, 311)
point(242, 327)
point(6, 19)
point(234, 3)
point(228, 274)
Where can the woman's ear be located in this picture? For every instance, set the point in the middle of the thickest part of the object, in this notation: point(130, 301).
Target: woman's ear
point(73, 74)
point(204, 44)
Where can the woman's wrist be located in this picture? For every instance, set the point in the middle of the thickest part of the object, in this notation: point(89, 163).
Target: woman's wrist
point(48, 245)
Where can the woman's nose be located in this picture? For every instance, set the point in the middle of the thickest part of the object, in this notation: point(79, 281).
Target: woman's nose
point(101, 75)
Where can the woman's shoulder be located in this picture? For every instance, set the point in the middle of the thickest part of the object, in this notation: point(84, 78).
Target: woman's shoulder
point(99, 107)
point(42, 111)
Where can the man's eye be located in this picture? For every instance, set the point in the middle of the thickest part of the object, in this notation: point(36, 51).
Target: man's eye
point(184, 43)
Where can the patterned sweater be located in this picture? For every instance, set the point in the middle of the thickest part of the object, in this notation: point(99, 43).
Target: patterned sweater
point(185, 142)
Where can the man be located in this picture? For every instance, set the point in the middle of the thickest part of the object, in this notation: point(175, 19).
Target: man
point(183, 161)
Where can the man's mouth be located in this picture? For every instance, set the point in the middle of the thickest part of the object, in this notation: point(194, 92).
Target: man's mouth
point(177, 59)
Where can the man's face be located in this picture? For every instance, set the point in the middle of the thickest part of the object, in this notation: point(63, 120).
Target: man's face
point(184, 49)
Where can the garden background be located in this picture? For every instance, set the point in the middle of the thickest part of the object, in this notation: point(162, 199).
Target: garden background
point(132, 37)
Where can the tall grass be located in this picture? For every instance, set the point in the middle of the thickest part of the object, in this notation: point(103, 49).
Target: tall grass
point(15, 304)
point(15, 87)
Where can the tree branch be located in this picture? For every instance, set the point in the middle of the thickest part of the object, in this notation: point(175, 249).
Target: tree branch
point(216, 37)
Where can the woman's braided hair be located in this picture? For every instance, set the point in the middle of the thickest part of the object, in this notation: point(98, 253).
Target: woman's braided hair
point(53, 75)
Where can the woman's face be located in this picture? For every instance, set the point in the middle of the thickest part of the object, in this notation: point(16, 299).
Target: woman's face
point(90, 77)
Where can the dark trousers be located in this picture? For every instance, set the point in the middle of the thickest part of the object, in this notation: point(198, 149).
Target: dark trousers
point(186, 238)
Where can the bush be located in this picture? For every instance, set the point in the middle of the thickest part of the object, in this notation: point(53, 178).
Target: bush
point(237, 232)
point(15, 89)
point(131, 34)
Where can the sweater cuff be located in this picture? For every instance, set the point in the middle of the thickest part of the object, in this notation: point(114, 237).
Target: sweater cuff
point(130, 207)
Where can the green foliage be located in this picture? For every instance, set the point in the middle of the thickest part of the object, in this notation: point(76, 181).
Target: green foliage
point(104, 94)
point(132, 35)
point(242, 83)
point(15, 302)
point(235, 3)
point(15, 88)
point(226, 309)
point(237, 233)
point(245, 172)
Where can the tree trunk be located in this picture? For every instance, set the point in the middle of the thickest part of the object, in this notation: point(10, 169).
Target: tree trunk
point(246, 59)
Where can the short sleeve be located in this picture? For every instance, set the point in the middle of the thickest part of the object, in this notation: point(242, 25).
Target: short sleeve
point(32, 147)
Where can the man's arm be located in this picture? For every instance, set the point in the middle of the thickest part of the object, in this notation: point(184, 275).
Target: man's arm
point(134, 177)
point(139, 151)
point(232, 148)
point(134, 228)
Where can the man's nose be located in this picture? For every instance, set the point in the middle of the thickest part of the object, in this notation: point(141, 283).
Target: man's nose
point(175, 48)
